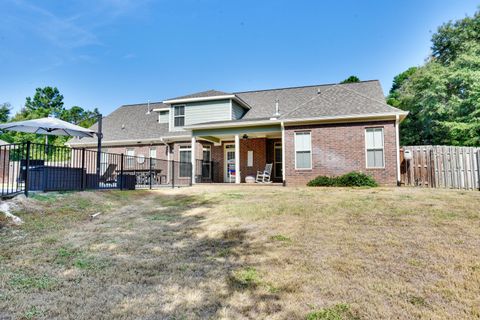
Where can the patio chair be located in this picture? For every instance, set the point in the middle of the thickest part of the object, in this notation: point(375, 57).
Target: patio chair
point(264, 176)
point(109, 175)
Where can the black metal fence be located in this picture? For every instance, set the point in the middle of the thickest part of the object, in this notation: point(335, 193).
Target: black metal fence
point(36, 167)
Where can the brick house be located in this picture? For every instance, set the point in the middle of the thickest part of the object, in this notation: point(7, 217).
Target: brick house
point(302, 131)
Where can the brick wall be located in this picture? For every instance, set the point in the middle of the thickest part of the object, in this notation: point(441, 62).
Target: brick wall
point(257, 145)
point(259, 148)
point(139, 150)
point(4, 164)
point(338, 149)
point(218, 162)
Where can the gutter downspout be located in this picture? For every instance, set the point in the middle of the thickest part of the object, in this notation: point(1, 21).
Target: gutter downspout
point(168, 159)
point(283, 153)
point(397, 143)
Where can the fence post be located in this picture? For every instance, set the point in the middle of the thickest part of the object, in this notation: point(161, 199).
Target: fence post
point(27, 169)
point(478, 168)
point(191, 172)
point(211, 172)
point(173, 174)
point(82, 184)
point(150, 173)
point(121, 172)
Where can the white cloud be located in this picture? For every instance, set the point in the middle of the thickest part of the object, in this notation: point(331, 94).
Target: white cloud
point(65, 32)
point(59, 31)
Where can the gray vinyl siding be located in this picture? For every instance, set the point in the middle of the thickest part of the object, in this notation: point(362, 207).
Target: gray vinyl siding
point(237, 111)
point(163, 117)
point(198, 112)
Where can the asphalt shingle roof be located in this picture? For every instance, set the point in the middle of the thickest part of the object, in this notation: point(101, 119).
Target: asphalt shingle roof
point(203, 94)
point(131, 122)
point(317, 101)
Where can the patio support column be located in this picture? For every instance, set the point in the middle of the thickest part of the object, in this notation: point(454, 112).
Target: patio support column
point(237, 159)
point(194, 141)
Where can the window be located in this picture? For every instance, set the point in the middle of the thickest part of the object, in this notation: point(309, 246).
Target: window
point(250, 158)
point(374, 146)
point(179, 116)
point(207, 153)
point(104, 161)
point(303, 150)
point(130, 155)
point(206, 163)
point(153, 155)
point(185, 161)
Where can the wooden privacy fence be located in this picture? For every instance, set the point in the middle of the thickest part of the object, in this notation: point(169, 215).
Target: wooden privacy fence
point(440, 167)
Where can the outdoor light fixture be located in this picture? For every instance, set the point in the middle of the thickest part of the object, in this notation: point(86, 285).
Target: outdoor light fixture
point(245, 137)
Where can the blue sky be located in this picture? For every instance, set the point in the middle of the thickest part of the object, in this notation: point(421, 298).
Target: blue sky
point(105, 53)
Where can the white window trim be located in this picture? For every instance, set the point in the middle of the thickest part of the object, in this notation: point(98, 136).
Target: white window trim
point(295, 147)
point(209, 148)
point(174, 116)
point(184, 148)
point(150, 152)
point(250, 158)
point(366, 147)
point(130, 157)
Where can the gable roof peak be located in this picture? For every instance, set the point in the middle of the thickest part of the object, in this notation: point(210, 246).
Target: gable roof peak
point(202, 94)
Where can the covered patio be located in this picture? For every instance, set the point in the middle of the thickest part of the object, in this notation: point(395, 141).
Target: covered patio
point(240, 151)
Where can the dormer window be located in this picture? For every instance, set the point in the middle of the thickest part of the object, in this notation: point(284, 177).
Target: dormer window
point(179, 116)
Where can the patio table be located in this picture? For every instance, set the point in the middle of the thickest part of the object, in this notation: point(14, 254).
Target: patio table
point(142, 175)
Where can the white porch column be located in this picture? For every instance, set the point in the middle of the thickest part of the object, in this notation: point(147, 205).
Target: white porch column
point(237, 159)
point(194, 141)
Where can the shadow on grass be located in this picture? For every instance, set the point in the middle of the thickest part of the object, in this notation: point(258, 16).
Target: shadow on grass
point(158, 261)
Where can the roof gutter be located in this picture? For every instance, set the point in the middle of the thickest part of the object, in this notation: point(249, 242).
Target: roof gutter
point(350, 118)
point(129, 142)
point(343, 118)
point(233, 124)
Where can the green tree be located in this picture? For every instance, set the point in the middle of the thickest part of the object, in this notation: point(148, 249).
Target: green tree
point(5, 111)
point(454, 37)
point(351, 79)
point(443, 95)
point(77, 115)
point(46, 102)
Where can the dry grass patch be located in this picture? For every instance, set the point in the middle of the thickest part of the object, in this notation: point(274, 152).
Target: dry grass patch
point(217, 252)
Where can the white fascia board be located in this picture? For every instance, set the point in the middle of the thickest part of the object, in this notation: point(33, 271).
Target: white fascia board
point(232, 125)
point(348, 118)
point(131, 141)
point(213, 98)
point(343, 118)
point(161, 109)
point(241, 102)
point(230, 96)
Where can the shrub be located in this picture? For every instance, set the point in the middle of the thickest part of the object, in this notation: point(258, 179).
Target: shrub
point(321, 181)
point(351, 179)
point(356, 179)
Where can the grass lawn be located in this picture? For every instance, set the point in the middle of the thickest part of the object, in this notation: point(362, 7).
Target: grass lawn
point(249, 252)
